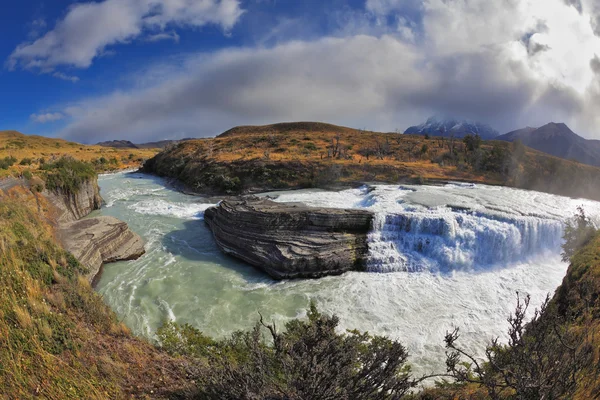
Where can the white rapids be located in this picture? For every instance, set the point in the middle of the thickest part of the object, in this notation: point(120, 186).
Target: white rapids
point(440, 257)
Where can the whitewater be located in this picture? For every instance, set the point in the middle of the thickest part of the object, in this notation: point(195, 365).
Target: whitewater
point(440, 257)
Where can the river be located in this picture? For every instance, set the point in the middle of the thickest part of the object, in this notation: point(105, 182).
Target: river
point(440, 257)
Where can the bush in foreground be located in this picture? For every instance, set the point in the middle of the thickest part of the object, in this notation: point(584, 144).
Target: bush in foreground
point(309, 360)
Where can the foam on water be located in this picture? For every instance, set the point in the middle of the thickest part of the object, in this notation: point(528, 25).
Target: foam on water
point(454, 257)
point(166, 208)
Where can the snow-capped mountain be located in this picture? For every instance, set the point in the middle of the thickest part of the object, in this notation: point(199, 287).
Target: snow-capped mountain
point(448, 127)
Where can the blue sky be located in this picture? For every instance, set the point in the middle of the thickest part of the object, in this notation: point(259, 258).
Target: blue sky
point(153, 69)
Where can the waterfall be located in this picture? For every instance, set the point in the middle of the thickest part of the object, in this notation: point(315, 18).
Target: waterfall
point(444, 239)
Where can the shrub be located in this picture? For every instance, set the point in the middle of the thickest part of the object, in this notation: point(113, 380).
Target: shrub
point(67, 174)
point(7, 162)
point(309, 360)
point(310, 146)
point(26, 161)
point(472, 142)
point(541, 360)
point(578, 232)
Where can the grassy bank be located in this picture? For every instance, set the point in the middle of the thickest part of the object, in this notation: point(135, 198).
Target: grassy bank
point(58, 339)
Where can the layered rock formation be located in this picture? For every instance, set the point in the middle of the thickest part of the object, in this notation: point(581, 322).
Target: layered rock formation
point(291, 240)
point(93, 241)
point(74, 206)
point(100, 240)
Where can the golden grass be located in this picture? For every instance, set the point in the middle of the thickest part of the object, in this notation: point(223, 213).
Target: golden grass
point(298, 155)
point(55, 330)
point(33, 147)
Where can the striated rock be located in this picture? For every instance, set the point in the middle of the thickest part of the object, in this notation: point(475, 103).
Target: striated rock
point(99, 240)
point(74, 206)
point(291, 240)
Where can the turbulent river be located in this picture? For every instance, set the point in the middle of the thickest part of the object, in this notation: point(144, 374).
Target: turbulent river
point(440, 257)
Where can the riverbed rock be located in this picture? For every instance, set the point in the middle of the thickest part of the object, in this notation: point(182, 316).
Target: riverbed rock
point(291, 240)
point(99, 240)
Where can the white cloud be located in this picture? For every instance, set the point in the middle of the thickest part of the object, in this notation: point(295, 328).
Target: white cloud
point(66, 77)
point(526, 63)
point(164, 36)
point(89, 28)
point(47, 117)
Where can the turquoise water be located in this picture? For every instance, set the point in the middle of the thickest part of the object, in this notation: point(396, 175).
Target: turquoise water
point(184, 277)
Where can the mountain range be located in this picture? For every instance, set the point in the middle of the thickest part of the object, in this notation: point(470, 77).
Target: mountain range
point(450, 127)
point(558, 140)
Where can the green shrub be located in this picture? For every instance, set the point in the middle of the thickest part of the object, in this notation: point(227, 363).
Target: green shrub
point(7, 162)
point(184, 339)
point(26, 161)
point(308, 360)
point(67, 174)
point(578, 232)
point(310, 146)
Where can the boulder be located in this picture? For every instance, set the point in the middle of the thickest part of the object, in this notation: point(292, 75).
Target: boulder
point(291, 240)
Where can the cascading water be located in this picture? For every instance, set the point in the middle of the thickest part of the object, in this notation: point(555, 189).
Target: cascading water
point(454, 255)
point(443, 239)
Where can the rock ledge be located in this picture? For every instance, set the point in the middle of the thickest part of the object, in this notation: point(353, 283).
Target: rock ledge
point(99, 240)
point(291, 240)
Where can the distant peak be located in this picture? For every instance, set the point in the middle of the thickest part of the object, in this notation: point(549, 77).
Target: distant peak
point(449, 126)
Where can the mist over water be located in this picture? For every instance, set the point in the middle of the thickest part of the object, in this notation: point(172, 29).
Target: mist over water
point(453, 256)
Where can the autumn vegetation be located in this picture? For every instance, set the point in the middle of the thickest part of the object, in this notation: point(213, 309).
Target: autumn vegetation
point(22, 154)
point(306, 155)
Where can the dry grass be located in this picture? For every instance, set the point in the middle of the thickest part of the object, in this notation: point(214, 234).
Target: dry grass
point(58, 340)
point(36, 148)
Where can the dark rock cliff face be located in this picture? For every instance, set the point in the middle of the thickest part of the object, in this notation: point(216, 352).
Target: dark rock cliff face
point(291, 240)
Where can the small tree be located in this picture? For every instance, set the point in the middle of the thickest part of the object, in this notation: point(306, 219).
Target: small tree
point(578, 232)
point(540, 361)
point(472, 142)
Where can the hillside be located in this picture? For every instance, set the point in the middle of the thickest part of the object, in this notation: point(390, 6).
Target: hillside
point(287, 127)
point(558, 140)
point(161, 144)
point(29, 152)
point(247, 159)
point(451, 127)
point(58, 340)
point(126, 144)
point(118, 144)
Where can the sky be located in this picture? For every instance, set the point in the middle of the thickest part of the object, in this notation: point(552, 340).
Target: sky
point(145, 70)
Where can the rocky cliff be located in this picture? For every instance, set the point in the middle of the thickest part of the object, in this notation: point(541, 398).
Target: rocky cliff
point(291, 240)
point(93, 241)
point(76, 205)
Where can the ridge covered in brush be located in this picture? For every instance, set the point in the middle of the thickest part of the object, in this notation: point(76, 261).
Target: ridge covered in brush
point(286, 127)
point(308, 154)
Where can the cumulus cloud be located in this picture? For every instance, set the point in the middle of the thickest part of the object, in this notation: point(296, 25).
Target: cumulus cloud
point(47, 117)
point(469, 58)
point(89, 28)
